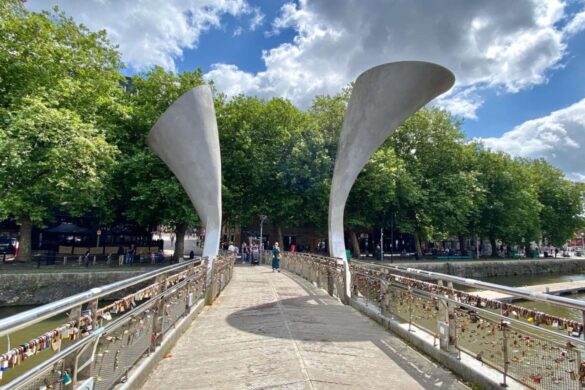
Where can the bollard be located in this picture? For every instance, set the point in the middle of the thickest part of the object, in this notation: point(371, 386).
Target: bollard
point(64, 260)
point(79, 260)
point(94, 259)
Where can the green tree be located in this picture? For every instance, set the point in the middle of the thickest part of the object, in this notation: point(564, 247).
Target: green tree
point(268, 149)
point(373, 196)
point(146, 191)
point(436, 193)
point(49, 158)
point(59, 100)
point(511, 208)
point(561, 200)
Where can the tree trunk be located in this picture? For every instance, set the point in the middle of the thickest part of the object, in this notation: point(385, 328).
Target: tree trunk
point(494, 247)
point(417, 247)
point(180, 230)
point(461, 244)
point(25, 240)
point(355, 245)
point(279, 238)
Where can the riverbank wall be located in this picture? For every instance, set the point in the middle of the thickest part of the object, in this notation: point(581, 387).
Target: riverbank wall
point(493, 268)
point(38, 288)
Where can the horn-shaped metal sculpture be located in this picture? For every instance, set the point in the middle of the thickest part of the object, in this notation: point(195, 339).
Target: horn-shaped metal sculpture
point(382, 98)
point(185, 137)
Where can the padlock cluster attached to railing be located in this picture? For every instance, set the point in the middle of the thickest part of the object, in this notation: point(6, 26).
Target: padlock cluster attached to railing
point(51, 340)
point(79, 328)
point(360, 276)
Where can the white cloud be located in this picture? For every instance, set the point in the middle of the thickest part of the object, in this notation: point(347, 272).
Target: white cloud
point(501, 44)
point(238, 31)
point(150, 32)
point(559, 138)
point(257, 19)
point(507, 45)
point(576, 25)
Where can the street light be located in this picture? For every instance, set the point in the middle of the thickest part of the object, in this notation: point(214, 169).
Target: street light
point(261, 248)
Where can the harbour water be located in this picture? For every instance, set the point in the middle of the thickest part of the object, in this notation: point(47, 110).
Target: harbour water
point(24, 335)
point(519, 281)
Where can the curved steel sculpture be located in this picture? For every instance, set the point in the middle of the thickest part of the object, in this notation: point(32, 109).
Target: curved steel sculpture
point(185, 137)
point(382, 98)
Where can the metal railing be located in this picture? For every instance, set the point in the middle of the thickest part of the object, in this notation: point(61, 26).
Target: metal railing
point(323, 272)
point(539, 350)
point(104, 339)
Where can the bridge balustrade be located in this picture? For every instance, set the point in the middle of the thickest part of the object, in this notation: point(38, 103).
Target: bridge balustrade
point(104, 340)
point(539, 350)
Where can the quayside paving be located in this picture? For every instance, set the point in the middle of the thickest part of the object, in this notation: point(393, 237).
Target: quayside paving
point(276, 331)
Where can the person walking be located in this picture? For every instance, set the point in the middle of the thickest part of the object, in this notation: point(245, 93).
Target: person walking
point(276, 258)
point(244, 252)
point(86, 258)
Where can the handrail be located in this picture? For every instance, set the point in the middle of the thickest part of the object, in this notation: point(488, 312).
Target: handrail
point(81, 343)
point(514, 291)
point(478, 309)
point(29, 317)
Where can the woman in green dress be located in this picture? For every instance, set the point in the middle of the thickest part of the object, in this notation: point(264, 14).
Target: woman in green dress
point(275, 257)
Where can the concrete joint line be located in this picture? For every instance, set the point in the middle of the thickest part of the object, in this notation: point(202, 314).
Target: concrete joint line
point(290, 335)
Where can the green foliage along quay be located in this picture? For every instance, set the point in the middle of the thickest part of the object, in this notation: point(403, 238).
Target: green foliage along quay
point(59, 96)
point(73, 137)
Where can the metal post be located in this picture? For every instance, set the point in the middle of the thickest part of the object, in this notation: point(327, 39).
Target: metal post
point(381, 244)
point(504, 326)
point(410, 309)
point(583, 316)
point(261, 245)
point(391, 236)
point(477, 247)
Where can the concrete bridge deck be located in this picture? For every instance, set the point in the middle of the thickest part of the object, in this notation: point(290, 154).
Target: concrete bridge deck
point(276, 331)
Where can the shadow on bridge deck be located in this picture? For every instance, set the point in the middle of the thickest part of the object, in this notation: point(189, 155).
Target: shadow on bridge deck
point(277, 331)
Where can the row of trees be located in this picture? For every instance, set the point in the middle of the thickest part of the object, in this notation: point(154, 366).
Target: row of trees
point(73, 131)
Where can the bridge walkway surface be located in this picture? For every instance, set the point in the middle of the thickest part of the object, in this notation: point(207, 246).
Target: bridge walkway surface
point(277, 331)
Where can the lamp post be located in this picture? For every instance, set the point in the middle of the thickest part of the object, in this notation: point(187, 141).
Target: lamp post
point(261, 247)
point(583, 242)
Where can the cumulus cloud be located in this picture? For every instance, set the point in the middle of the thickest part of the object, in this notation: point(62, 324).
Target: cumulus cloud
point(559, 138)
point(576, 25)
point(501, 44)
point(151, 32)
point(257, 18)
point(484, 46)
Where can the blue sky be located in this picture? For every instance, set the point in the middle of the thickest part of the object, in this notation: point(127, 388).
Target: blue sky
point(503, 111)
point(219, 45)
point(519, 65)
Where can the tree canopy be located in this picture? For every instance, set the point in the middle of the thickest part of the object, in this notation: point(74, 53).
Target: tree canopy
point(59, 96)
point(73, 137)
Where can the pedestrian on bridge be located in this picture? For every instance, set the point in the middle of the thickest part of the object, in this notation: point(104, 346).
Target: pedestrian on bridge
point(276, 258)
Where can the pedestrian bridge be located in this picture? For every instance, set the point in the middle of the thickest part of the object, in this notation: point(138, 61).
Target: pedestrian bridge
point(277, 331)
point(318, 324)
